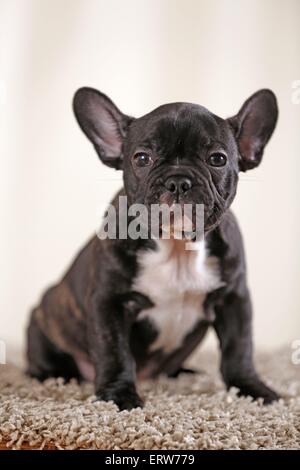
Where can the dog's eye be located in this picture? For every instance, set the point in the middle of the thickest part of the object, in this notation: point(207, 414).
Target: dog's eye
point(142, 159)
point(217, 159)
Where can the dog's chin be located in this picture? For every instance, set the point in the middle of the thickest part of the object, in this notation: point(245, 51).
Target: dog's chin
point(182, 224)
point(191, 232)
point(172, 232)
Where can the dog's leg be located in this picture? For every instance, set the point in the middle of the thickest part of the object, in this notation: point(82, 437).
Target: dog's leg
point(233, 327)
point(109, 330)
point(45, 359)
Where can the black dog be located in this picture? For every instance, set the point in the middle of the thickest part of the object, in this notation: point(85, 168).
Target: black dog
point(128, 307)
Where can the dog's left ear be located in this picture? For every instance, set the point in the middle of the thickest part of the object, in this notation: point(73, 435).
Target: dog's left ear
point(253, 127)
point(103, 123)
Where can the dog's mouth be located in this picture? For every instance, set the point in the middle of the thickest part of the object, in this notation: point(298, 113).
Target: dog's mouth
point(176, 220)
point(170, 199)
point(179, 226)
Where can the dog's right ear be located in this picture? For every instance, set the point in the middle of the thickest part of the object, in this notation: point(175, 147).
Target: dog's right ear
point(103, 123)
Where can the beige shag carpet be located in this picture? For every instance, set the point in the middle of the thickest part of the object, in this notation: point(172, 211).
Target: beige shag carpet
point(190, 412)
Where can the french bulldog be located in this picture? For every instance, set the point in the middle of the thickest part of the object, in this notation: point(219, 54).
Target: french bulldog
point(135, 308)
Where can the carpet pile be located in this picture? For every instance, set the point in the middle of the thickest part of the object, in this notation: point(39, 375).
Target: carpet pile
point(190, 412)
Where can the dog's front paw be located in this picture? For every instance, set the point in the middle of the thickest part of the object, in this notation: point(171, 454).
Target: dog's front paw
point(256, 389)
point(125, 397)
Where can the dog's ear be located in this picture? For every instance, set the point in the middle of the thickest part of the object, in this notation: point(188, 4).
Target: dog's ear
point(103, 123)
point(253, 127)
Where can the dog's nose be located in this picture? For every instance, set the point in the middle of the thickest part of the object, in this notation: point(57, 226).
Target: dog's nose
point(178, 184)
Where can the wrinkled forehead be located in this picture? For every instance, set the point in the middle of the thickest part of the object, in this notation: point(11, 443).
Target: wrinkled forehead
point(181, 125)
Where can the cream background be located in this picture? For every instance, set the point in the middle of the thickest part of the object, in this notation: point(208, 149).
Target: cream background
point(141, 53)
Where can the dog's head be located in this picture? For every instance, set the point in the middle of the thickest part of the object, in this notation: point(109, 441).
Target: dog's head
point(179, 152)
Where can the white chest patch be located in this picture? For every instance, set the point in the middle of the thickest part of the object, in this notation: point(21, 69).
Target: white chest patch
point(177, 281)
